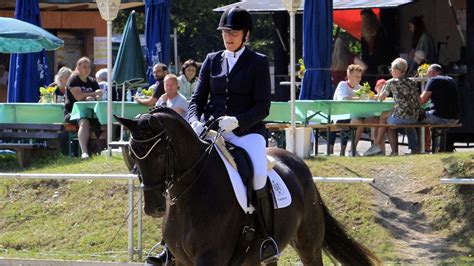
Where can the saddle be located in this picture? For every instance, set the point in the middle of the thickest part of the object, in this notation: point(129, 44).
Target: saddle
point(264, 200)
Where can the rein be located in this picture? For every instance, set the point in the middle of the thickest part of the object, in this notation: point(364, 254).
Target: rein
point(205, 154)
point(170, 181)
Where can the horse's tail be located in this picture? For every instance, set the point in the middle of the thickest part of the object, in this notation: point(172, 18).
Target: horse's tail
point(340, 246)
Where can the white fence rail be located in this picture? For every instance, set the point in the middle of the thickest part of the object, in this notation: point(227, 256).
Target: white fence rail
point(318, 179)
point(458, 181)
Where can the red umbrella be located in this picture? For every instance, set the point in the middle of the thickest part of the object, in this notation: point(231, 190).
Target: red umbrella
point(350, 20)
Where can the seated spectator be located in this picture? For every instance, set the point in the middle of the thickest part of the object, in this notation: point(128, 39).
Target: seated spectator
point(406, 110)
point(444, 109)
point(368, 120)
point(345, 91)
point(101, 78)
point(188, 79)
point(159, 72)
point(81, 87)
point(172, 98)
point(60, 82)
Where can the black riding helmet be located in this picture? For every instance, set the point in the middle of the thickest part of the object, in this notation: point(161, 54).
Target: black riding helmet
point(235, 18)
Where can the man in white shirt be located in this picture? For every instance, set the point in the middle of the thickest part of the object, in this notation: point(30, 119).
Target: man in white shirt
point(172, 98)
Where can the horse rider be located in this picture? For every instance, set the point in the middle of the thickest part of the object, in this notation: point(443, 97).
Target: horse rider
point(234, 86)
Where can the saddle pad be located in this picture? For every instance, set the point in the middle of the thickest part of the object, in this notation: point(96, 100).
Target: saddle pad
point(282, 196)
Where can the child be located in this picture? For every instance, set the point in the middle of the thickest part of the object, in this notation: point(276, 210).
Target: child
point(345, 91)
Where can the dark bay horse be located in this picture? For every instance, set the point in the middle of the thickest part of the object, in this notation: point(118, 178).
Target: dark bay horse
point(203, 221)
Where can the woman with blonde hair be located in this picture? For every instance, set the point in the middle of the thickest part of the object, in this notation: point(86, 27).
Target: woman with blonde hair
point(82, 87)
point(60, 82)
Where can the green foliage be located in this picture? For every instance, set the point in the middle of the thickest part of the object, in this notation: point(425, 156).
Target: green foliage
point(196, 24)
point(121, 20)
point(355, 47)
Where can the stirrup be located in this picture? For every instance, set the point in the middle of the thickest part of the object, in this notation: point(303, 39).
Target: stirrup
point(269, 251)
point(162, 259)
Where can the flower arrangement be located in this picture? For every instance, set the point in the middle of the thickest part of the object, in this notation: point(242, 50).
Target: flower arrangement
point(47, 94)
point(302, 68)
point(422, 70)
point(365, 91)
point(147, 92)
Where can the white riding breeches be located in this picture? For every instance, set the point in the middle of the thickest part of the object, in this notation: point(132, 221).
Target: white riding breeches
point(255, 145)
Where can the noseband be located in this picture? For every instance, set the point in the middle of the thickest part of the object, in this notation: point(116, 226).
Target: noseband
point(170, 181)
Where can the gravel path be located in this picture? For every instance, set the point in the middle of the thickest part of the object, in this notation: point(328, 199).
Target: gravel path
point(400, 212)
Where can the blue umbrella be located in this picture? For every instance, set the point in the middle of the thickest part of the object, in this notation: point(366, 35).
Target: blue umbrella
point(317, 50)
point(17, 36)
point(28, 72)
point(157, 34)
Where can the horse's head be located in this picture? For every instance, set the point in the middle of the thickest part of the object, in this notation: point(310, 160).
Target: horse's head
point(162, 145)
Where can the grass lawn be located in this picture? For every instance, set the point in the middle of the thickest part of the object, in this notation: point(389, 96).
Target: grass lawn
point(79, 219)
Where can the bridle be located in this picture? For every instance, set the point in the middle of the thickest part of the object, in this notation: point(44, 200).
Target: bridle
point(170, 180)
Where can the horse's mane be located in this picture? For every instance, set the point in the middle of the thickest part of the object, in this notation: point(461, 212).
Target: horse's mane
point(171, 112)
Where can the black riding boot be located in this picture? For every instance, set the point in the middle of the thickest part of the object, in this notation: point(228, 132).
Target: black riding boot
point(269, 251)
point(162, 259)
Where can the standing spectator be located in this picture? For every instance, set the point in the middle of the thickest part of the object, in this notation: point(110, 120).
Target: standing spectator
point(377, 50)
point(82, 87)
point(60, 82)
point(3, 83)
point(444, 109)
point(421, 40)
point(3, 75)
point(101, 78)
point(159, 72)
point(188, 79)
point(172, 98)
point(405, 112)
point(341, 59)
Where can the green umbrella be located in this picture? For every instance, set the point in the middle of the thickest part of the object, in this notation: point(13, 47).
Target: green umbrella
point(17, 36)
point(129, 65)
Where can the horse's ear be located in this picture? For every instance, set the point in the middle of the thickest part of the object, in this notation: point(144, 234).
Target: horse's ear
point(131, 124)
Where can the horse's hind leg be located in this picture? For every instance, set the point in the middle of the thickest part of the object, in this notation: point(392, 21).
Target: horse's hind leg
point(309, 238)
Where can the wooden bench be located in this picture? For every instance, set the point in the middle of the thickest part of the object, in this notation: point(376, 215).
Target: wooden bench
point(352, 127)
point(30, 140)
point(327, 128)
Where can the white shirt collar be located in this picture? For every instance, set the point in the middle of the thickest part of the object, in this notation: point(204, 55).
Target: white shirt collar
point(236, 55)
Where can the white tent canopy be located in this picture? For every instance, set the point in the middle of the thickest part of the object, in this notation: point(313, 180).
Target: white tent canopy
point(277, 5)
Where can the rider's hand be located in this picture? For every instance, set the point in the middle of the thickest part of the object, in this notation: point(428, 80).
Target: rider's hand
point(198, 127)
point(228, 123)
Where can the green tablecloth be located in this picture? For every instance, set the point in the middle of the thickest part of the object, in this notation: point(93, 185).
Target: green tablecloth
point(99, 110)
point(31, 113)
point(336, 110)
point(322, 111)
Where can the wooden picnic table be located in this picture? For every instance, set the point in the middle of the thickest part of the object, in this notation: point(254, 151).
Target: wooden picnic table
point(32, 130)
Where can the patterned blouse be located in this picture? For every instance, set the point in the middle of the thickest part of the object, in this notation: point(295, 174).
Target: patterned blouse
point(406, 97)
